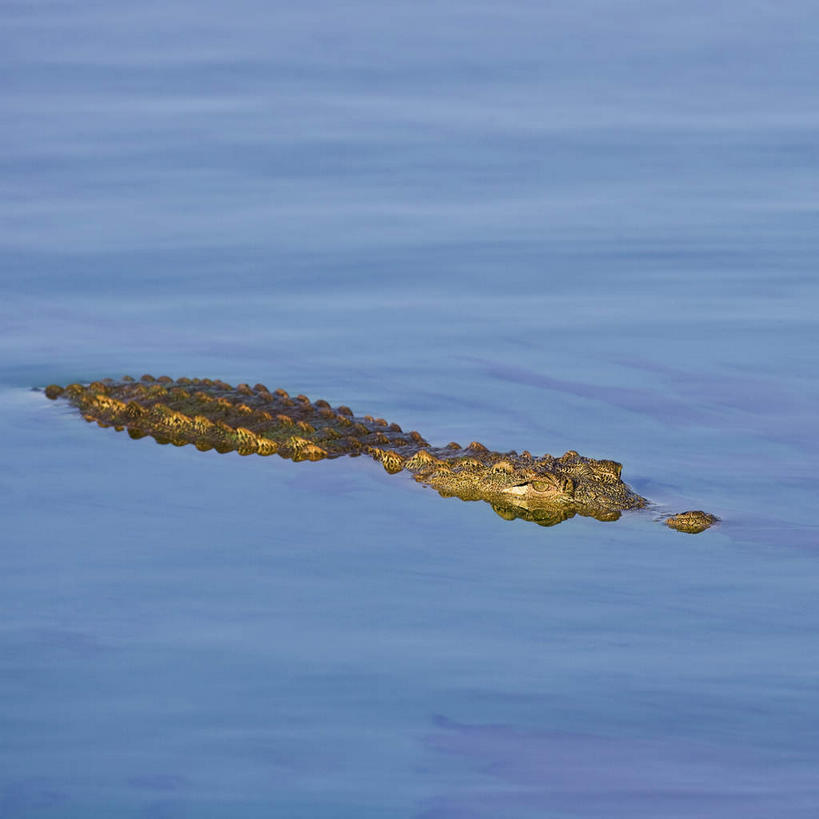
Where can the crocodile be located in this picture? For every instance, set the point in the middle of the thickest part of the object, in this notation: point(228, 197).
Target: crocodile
point(213, 415)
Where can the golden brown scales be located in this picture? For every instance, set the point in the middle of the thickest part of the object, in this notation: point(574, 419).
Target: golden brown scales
point(211, 414)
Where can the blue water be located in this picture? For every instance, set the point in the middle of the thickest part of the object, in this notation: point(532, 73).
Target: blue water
point(582, 225)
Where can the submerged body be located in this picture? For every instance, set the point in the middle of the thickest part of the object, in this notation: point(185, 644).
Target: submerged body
point(211, 414)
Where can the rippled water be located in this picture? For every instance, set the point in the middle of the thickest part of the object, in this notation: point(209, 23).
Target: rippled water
point(586, 226)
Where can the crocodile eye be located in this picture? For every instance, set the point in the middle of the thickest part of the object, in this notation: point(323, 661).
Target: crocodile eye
point(543, 486)
point(612, 468)
point(558, 485)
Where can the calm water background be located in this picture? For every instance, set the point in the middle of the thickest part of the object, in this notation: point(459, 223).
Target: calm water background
point(580, 225)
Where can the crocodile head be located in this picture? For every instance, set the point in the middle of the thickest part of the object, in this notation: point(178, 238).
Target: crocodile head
point(544, 490)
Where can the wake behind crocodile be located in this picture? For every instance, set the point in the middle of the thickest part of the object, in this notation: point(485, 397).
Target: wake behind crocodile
point(211, 414)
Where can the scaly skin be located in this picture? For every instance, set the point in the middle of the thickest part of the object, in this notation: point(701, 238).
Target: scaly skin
point(211, 414)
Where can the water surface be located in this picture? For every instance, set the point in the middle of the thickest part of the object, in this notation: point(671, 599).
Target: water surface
point(587, 226)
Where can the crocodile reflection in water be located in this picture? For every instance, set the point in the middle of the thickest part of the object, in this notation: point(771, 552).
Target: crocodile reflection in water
point(211, 414)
